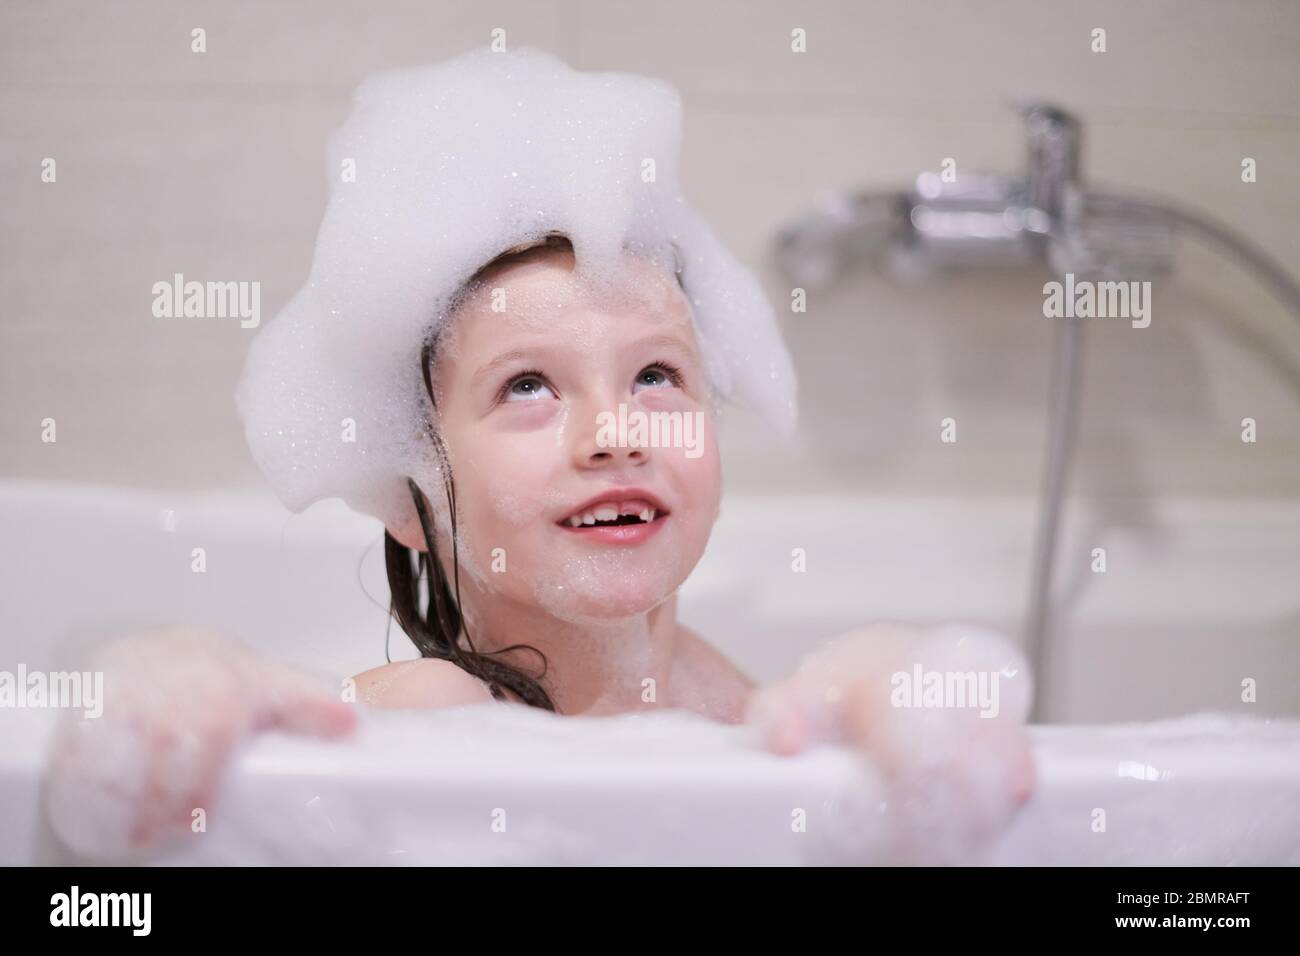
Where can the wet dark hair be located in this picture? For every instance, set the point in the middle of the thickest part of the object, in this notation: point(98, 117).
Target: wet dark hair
point(436, 630)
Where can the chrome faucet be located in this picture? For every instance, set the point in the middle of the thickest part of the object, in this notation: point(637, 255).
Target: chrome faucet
point(987, 221)
point(982, 220)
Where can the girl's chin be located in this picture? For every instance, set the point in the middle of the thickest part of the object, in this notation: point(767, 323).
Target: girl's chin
point(605, 600)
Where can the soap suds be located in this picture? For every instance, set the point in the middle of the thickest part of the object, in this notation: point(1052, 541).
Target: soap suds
point(587, 587)
point(454, 164)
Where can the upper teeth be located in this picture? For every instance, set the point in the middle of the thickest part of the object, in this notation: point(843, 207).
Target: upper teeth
point(607, 513)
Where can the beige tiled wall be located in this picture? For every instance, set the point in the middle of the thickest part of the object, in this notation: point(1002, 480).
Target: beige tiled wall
point(212, 165)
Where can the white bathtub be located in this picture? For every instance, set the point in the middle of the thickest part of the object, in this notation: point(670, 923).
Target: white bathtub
point(1221, 788)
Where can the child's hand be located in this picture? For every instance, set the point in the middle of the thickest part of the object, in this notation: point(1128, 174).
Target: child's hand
point(176, 703)
point(939, 711)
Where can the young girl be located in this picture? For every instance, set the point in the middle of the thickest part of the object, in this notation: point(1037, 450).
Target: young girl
point(551, 558)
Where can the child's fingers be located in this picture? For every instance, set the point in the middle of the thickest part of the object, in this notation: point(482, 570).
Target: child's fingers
point(299, 703)
point(189, 751)
point(188, 748)
point(797, 714)
point(315, 717)
point(180, 704)
point(781, 726)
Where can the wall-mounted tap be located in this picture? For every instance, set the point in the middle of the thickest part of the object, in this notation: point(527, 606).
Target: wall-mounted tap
point(981, 220)
point(948, 223)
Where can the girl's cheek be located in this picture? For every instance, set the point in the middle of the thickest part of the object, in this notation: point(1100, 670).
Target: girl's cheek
point(665, 400)
point(527, 446)
point(705, 476)
point(709, 465)
point(516, 471)
point(516, 443)
point(527, 415)
point(510, 507)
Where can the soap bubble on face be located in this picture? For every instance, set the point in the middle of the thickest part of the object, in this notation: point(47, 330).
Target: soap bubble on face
point(587, 587)
point(454, 164)
point(496, 495)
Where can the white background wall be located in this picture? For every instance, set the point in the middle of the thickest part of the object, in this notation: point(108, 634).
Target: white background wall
point(212, 165)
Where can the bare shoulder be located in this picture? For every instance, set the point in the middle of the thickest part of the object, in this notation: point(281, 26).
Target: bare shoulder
point(702, 651)
point(710, 683)
point(423, 683)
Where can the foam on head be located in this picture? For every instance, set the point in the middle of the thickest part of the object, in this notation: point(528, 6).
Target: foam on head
point(437, 171)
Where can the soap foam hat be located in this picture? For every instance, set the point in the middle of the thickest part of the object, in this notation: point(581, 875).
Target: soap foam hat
point(437, 171)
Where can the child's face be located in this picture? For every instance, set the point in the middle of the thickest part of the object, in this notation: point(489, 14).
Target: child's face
point(533, 367)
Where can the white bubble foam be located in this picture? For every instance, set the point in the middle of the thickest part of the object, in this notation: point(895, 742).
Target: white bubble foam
point(612, 583)
point(454, 164)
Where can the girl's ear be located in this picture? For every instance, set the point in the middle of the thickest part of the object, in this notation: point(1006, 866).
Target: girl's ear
point(409, 534)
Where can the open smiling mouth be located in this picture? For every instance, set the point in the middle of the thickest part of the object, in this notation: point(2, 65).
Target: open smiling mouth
point(621, 520)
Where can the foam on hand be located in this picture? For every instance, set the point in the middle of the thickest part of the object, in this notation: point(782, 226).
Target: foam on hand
point(437, 171)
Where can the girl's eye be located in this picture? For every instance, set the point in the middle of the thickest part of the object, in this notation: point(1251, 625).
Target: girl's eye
point(659, 375)
point(525, 387)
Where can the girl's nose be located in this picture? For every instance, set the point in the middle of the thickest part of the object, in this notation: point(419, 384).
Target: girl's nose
point(614, 456)
point(602, 440)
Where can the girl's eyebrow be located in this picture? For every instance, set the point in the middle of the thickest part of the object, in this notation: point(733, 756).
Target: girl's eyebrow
point(671, 342)
point(505, 358)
